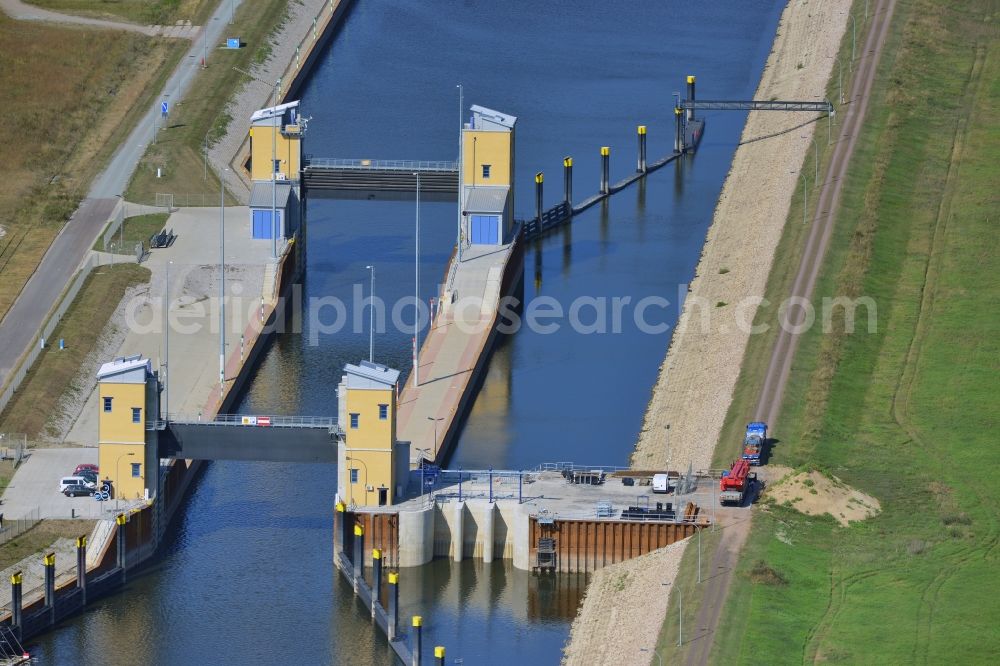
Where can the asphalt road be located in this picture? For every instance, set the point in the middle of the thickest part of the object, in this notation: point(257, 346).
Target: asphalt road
point(24, 320)
point(727, 553)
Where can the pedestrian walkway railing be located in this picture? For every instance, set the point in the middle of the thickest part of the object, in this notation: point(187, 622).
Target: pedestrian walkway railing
point(574, 467)
point(380, 165)
point(13, 528)
point(246, 420)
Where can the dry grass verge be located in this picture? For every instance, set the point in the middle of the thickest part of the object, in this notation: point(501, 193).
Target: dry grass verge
point(78, 102)
point(36, 403)
point(143, 12)
point(40, 537)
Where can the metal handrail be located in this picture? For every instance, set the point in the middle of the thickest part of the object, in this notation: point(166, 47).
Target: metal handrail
point(246, 420)
point(381, 165)
point(756, 105)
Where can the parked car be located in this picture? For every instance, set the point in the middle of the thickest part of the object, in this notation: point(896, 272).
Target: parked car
point(86, 467)
point(90, 476)
point(74, 481)
point(78, 489)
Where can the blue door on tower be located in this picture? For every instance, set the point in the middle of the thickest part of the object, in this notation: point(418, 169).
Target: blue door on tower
point(262, 224)
point(485, 229)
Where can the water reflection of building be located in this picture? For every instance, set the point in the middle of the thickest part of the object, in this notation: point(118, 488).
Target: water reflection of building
point(485, 588)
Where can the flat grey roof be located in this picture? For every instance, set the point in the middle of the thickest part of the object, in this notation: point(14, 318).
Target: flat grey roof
point(485, 199)
point(272, 111)
point(260, 194)
point(128, 369)
point(370, 375)
point(489, 119)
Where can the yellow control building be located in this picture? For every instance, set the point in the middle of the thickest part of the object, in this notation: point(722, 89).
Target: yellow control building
point(372, 465)
point(128, 398)
point(275, 169)
point(276, 143)
point(487, 184)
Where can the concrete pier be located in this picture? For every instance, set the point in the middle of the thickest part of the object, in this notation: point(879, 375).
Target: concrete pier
point(456, 350)
point(591, 525)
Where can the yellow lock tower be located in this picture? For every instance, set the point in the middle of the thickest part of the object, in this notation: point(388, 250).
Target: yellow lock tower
point(487, 178)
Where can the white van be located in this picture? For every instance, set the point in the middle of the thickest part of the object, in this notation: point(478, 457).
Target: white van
point(74, 481)
point(661, 484)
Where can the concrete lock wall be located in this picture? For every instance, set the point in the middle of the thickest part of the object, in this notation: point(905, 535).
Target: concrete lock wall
point(486, 531)
point(416, 537)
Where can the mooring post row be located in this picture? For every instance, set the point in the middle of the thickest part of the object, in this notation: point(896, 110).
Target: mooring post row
point(376, 577)
point(605, 169)
point(539, 180)
point(393, 606)
point(359, 553)
point(416, 639)
point(640, 165)
point(568, 181)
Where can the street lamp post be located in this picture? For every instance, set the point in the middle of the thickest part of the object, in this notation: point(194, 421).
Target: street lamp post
point(371, 318)
point(805, 196)
point(121, 227)
point(274, 172)
point(435, 420)
point(854, 38)
point(416, 293)
point(118, 475)
point(680, 617)
point(461, 173)
point(699, 555)
point(423, 465)
point(840, 77)
point(222, 281)
point(365, 465)
point(815, 158)
point(166, 342)
point(274, 157)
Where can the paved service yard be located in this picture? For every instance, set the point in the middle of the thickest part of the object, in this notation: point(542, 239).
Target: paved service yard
point(36, 485)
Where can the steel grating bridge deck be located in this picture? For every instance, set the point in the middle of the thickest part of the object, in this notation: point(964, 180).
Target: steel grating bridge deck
point(756, 105)
point(250, 438)
point(321, 173)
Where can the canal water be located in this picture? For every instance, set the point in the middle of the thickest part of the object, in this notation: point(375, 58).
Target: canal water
point(247, 575)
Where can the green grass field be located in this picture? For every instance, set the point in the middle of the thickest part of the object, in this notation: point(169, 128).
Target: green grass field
point(134, 230)
point(179, 151)
point(40, 537)
point(907, 414)
point(56, 369)
point(143, 12)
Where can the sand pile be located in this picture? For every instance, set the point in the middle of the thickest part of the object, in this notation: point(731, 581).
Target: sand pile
point(814, 494)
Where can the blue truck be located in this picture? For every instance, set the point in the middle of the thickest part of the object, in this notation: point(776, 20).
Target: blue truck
point(753, 443)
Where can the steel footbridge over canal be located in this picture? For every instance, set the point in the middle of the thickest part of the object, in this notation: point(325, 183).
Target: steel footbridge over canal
point(286, 439)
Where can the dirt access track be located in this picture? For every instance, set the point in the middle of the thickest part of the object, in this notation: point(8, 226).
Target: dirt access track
point(22, 11)
point(780, 363)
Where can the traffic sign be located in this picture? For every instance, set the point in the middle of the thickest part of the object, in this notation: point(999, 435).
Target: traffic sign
point(164, 108)
point(233, 43)
point(263, 420)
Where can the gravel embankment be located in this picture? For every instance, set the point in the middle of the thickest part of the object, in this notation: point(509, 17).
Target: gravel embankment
point(255, 95)
point(696, 380)
point(613, 626)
